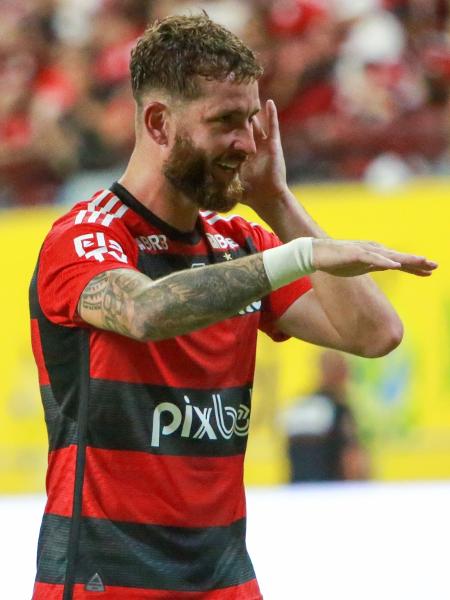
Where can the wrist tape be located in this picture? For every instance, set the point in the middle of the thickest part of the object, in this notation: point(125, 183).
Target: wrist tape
point(288, 262)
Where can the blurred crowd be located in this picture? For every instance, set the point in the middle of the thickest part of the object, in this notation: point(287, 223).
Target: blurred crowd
point(362, 87)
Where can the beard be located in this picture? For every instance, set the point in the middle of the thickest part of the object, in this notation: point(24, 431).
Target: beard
point(190, 172)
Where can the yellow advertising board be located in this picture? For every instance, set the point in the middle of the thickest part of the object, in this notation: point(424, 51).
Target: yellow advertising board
point(402, 400)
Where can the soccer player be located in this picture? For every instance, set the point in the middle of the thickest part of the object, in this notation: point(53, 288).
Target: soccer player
point(145, 307)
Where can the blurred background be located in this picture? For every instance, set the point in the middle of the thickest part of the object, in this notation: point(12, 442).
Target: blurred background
point(363, 92)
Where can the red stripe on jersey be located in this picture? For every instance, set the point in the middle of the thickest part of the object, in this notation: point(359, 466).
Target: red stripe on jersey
point(96, 195)
point(48, 591)
point(137, 487)
point(245, 591)
point(176, 491)
point(105, 201)
point(221, 355)
point(44, 378)
point(60, 481)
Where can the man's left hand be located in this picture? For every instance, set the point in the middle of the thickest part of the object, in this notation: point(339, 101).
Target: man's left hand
point(264, 173)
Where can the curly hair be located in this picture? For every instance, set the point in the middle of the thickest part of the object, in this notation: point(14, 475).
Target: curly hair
point(174, 52)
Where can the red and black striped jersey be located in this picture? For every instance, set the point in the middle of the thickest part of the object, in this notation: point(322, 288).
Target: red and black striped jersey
point(146, 440)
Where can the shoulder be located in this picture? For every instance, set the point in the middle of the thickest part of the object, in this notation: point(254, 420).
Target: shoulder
point(104, 213)
point(232, 222)
point(239, 229)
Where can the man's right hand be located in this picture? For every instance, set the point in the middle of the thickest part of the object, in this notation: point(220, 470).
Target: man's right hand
point(352, 258)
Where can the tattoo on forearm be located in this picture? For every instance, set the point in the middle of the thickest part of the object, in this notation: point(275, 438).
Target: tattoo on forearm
point(127, 302)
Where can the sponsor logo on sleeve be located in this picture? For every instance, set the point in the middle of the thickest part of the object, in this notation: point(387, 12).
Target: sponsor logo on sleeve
point(96, 246)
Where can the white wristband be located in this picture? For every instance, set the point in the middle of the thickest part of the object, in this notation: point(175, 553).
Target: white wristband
point(291, 261)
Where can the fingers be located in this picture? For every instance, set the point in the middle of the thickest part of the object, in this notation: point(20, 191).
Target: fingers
point(351, 258)
point(378, 262)
point(272, 120)
point(410, 263)
point(258, 130)
point(416, 271)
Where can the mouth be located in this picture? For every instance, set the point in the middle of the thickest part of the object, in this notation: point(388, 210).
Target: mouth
point(230, 168)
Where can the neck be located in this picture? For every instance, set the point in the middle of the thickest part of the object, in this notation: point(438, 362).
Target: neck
point(150, 187)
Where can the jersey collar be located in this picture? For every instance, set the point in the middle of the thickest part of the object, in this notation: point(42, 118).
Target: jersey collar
point(189, 237)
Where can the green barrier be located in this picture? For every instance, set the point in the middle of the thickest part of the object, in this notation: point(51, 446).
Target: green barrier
point(403, 400)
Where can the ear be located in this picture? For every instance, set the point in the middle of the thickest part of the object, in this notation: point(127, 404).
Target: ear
point(156, 122)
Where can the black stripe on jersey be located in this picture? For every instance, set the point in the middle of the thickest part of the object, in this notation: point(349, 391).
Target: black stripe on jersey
point(62, 430)
point(147, 556)
point(122, 416)
point(250, 245)
point(160, 265)
point(35, 309)
point(66, 356)
point(75, 526)
point(62, 352)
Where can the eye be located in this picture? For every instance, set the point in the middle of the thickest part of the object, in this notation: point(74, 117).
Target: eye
point(227, 118)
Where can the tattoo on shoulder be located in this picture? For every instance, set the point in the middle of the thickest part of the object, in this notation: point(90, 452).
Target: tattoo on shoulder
point(109, 297)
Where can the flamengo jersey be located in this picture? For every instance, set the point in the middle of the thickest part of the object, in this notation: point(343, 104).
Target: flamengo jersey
point(147, 440)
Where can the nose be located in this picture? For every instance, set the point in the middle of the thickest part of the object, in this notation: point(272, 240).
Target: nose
point(245, 140)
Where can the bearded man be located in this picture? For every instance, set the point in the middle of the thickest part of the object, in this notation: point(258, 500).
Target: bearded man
point(145, 308)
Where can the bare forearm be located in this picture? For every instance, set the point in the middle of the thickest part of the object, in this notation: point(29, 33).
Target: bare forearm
point(128, 303)
point(289, 220)
point(355, 305)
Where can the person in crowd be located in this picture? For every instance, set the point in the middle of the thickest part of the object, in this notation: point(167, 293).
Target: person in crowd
point(321, 429)
point(353, 82)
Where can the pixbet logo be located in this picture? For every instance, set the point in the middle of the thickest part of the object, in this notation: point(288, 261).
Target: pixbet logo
point(197, 422)
point(92, 245)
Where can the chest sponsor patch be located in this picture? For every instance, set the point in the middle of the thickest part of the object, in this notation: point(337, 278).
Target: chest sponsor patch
point(213, 422)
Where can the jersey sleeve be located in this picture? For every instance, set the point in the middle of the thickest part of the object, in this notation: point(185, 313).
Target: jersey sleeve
point(71, 256)
point(276, 303)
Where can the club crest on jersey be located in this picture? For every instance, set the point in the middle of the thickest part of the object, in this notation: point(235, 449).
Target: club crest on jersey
point(96, 245)
point(195, 422)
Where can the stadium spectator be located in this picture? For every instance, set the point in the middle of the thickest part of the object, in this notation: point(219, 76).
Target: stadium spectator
point(321, 430)
point(354, 81)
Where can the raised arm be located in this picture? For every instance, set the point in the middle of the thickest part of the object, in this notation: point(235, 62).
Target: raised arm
point(350, 314)
point(130, 303)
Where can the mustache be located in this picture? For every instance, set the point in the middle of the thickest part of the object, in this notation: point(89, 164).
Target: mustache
point(237, 156)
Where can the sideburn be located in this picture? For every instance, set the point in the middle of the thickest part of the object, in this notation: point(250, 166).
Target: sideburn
point(186, 168)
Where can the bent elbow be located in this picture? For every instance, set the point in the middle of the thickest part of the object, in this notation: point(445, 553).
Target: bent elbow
point(387, 338)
